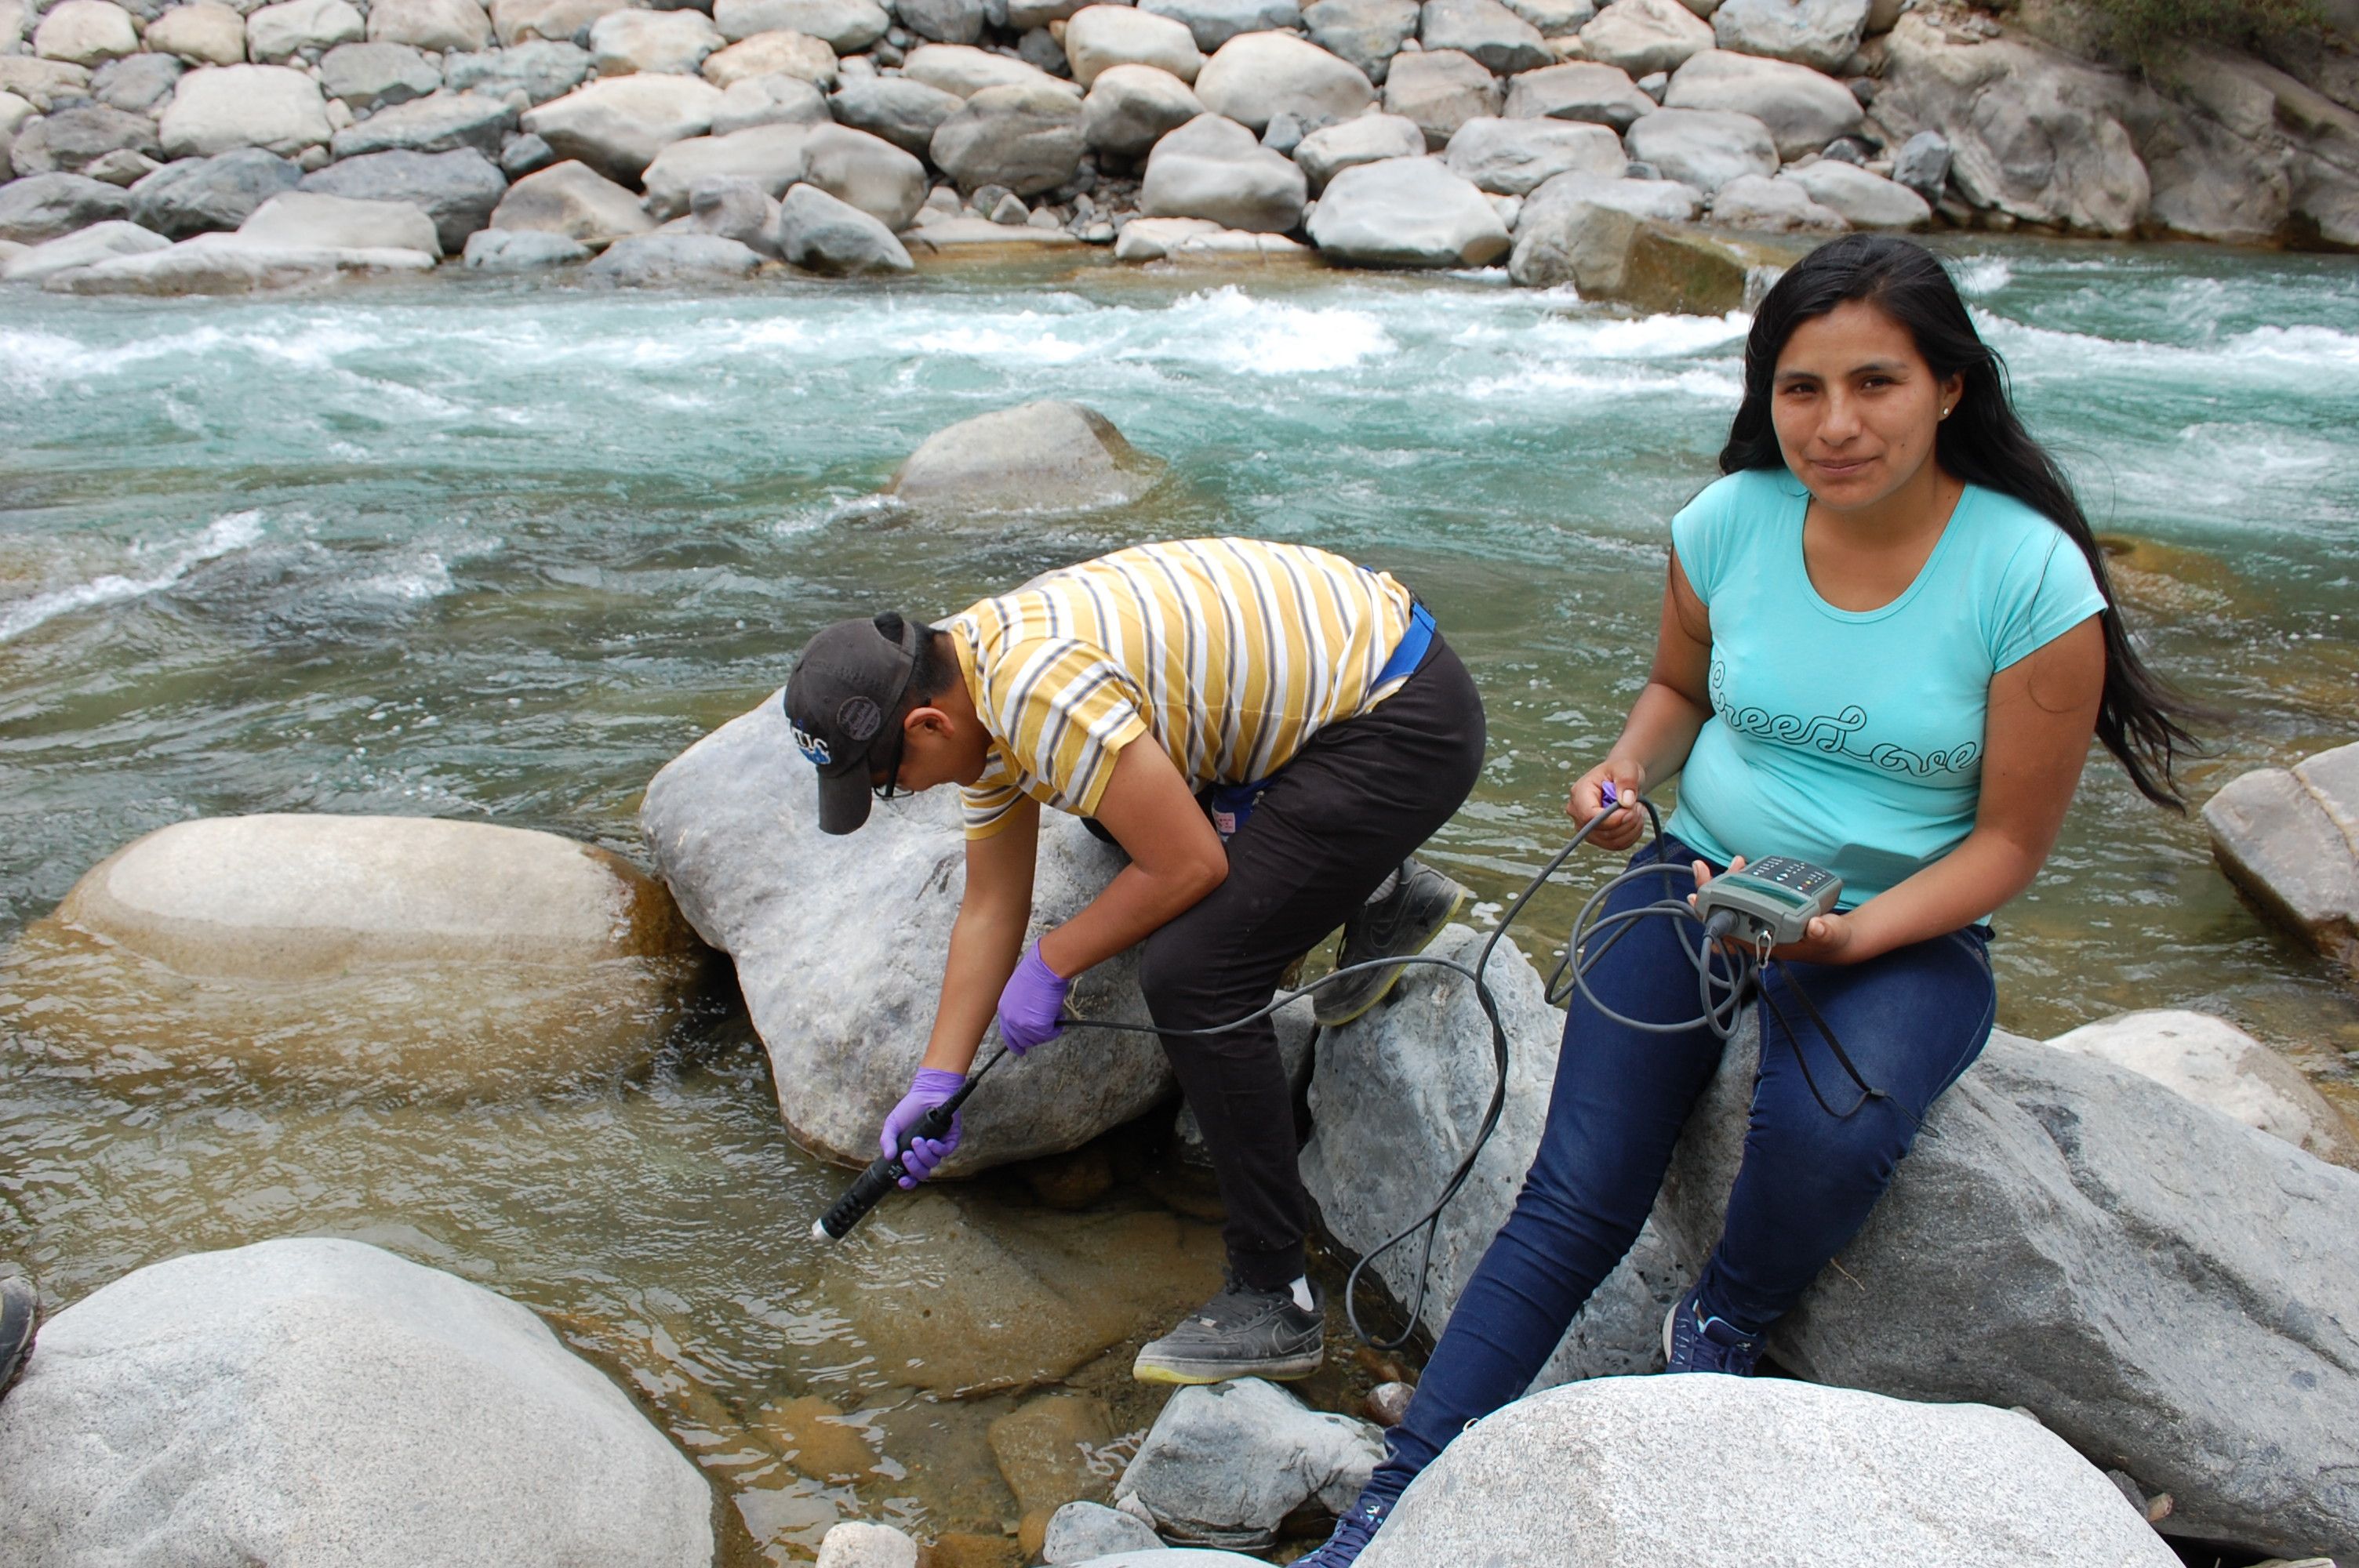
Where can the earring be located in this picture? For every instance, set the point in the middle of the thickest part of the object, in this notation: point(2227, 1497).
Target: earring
point(1945, 412)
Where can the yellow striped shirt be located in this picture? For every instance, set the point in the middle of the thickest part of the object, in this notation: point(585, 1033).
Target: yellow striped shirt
point(1231, 652)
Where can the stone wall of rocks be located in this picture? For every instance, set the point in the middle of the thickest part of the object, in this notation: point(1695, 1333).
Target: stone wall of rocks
point(220, 144)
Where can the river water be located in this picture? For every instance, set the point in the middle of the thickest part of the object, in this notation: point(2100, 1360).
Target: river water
point(498, 551)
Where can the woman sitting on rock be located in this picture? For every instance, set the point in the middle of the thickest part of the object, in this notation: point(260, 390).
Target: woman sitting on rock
point(1886, 637)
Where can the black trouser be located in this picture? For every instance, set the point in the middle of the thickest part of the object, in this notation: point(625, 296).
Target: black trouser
point(1354, 802)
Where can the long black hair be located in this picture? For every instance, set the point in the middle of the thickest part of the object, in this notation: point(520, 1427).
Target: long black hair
point(2139, 718)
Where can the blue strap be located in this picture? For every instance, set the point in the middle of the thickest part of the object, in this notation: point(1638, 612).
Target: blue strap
point(1409, 652)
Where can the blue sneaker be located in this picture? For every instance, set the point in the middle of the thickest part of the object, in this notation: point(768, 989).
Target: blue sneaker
point(1692, 1343)
point(1353, 1534)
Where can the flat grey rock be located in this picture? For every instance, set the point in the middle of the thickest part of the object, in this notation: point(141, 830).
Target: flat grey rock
point(1371, 138)
point(658, 260)
point(1214, 22)
point(1367, 33)
point(294, 1400)
point(219, 109)
point(47, 206)
point(1504, 42)
point(521, 250)
point(942, 21)
point(775, 99)
point(1702, 148)
point(1578, 90)
point(1761, 206)
point(1803, 110)
point(440, 123)
point(903, 111)
point(1865, 200)
point(820, 234)
point(1407, 212)
point(68, 141)
point(1672, 1472)
point(2212, 1062)
point(445, 26)
point(1821, 34)
point(138, 83)
point(773, 157)
point(541, 69)
point(376, 76)
point(298, 219)
point(231, 264)
point(84, 247)
point(2289, 837)
point(1644, 36)
point(574, 200)
point(458, 190)
point(618, 125)
point(1514, 158)
point(195, 196)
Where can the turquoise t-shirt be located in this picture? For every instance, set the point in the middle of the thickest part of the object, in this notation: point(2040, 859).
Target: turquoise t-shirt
point(1853, 739)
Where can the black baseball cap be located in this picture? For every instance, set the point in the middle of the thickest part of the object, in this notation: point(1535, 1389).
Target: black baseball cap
point(845, 692)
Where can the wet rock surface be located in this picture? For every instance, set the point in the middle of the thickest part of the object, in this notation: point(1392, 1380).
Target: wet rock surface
point(1667, 1472)
point(269, 1398)
point(2212, 1062)
point(2074, 1238)
point(2289, 837)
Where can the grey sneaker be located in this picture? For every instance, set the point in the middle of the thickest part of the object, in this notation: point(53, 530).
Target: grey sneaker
point(1401, 925)
point(20, 1310)
point(1240, 1333)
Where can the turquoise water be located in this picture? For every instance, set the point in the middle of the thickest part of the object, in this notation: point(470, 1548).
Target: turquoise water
point(499, 552)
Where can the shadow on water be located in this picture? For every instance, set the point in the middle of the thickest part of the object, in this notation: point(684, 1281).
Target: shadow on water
point(500, 553)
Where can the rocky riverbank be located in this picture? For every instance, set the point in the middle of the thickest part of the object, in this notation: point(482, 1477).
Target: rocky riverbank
point(166, 148)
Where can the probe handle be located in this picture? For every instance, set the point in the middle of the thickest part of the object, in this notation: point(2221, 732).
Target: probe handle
point(885, 1172)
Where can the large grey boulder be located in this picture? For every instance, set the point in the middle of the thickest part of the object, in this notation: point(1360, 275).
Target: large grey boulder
point(438, 958)
point(1026, 138)
point(199, 34)
point(1213, 23)
point(2151, 1278)
point(1407, 212)
point(1865, 200)
point(869, 172)
point(295, 1400)
point(1368, 33)
point(676, 42)
point(1132, 107)
point(71, 141)
point(1255, 77)
point(1803, 110)
point(222, 108)
point(2212, 1062)
point(376, 76)
point(820, 234)
point(300, 218)
point(1485, 30)
point(459, 191)
point(733, 823)
point(541, 69)
point(197, 195)
point(1102, 36)
point(85, 32)
point(1218, 170)
point(733, 208)
point(1439, 91)
point(575, 202)
point(1642, 36)
point(138, 83)
point(46, 84)
point(1703, 147)
point(1821, 34)
point(442, 26)
point(1559, 19)
point(1371, 138)
point(1579, 229)
point(944, 21)
point(276, 34)
point(2032, 134)
point(662, 261)
point(618, 124)
point(1764, 206)
point(1673, 1472)
point(439, 122)
point(847, 26)
point(1514, 158)
point(98, 243)
point(1396, 1100)
point(1578, 90)
point(2289, 837)
point(46, 205)
point(521, 250)
point(781, 100)
point(904, 113)
point(962, 71)
point(1922, 165)
point(301, 1032)
point(1223, 1466)
point(772, 157)
point(559, 21)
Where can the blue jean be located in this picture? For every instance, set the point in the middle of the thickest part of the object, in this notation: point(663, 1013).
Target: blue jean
point(1911, 1021)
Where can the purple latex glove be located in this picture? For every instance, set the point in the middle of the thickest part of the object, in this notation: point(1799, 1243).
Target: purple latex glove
point(928, 1090)
point(1033, 1002)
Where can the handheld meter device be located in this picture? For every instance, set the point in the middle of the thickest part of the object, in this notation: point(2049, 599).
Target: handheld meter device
point(1775, 898)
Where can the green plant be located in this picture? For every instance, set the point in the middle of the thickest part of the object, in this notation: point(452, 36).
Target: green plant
point(2149, 31)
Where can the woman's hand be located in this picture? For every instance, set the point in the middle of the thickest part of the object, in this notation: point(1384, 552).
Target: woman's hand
point(1830, 938)
point(1627, 818)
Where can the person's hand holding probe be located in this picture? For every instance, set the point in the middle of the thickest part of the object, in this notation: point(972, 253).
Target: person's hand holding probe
point(1611, 786)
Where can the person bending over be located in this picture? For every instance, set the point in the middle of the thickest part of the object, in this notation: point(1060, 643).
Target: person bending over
point(1886, 637)
point(1328, 731)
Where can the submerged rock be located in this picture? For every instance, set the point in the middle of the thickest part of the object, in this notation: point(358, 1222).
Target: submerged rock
point(1037, 1296)
point(430, 958)
point(2213, 1062)
point(2152, 1279)
point(733, 823)
point(272, 1400)
point(1046, 1452)
point(2289, 837)
point(1671, 1472)
point(1225, 1465)
point(1395, 1100)
point(856, 1543)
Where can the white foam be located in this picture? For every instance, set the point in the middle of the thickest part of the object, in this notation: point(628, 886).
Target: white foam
point(234, 531)
point(1233, 330)
point(1983, 275)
